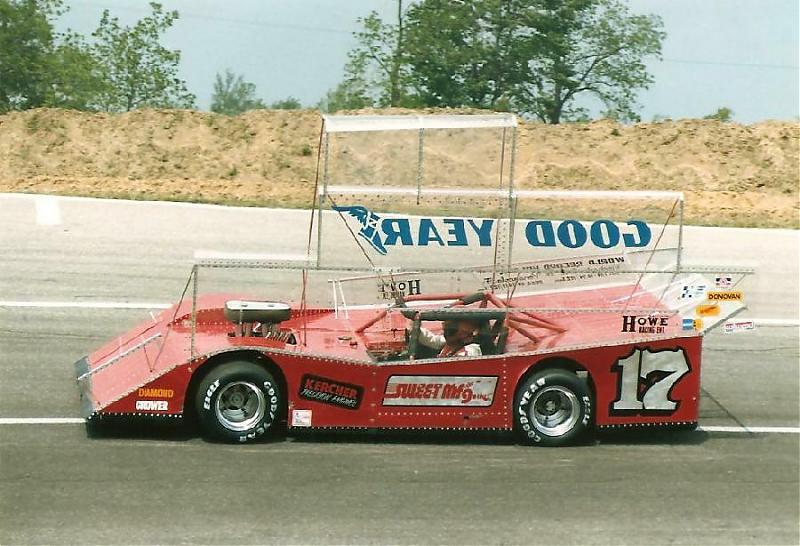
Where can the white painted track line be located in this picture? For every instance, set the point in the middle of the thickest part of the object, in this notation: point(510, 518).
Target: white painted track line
point(41, 421)
point(774, 322)
point(78, 421)
point(85, 304)
point(752, 430)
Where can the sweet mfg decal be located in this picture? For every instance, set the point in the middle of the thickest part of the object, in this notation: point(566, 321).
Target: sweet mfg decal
point(439, 390)
point(383, 233)
point(330, 391)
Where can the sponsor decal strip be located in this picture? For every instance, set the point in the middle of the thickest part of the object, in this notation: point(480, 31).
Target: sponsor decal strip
point(330, 391)
point(434, 390)
point(724, 296)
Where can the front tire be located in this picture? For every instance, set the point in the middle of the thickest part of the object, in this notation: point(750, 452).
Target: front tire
point(238, 402)
point(553, 408)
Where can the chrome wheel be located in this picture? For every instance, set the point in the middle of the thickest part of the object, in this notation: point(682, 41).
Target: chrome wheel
point(554, 410)
point(240, 406)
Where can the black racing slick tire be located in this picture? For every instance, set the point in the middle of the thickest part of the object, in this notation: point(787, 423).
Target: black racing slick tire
point(238, 402)
point(553, 408)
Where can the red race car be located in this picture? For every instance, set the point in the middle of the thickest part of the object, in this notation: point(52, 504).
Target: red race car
point(574, 324)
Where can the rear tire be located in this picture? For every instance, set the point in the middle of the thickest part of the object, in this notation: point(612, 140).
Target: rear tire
point(553, 408)
point(238, 402)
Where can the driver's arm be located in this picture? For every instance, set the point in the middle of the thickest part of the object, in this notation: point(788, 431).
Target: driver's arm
point(430, 340)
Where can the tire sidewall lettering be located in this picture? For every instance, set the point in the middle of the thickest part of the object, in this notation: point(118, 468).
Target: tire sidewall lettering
point(272, 404)
point(525, 421)
point(209, 394)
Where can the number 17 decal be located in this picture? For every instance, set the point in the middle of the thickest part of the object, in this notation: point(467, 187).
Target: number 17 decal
point(646, 380)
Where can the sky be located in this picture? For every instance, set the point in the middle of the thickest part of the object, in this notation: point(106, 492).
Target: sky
point(740, 54)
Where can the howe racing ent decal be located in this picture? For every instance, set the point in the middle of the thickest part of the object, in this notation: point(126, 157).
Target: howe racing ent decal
point(330, 391)
point(439, 390)
point(381, 232)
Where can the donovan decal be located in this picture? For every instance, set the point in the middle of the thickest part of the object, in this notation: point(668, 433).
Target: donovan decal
point(724, 296)
point(439, 390)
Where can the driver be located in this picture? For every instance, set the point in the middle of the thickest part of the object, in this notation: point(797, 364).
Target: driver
point(458, 339)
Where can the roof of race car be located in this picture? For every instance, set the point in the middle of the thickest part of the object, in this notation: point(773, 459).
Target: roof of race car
point(355, 124)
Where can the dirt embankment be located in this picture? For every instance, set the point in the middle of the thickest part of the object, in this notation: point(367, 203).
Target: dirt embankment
point(734, 175)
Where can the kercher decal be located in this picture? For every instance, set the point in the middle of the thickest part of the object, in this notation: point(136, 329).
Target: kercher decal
point(382, 233)
point(437, 390)
point(330, 391)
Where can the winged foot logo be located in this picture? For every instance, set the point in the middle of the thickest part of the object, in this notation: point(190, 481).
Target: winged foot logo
point(381, 232)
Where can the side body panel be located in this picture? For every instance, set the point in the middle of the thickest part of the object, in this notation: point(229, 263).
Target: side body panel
point(649, 383)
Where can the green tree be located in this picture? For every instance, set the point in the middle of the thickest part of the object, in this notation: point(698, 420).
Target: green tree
point(41, 67)
point(26, 42)
point(722, 114)
point(289, 103)
point(137, 71)
point(534, 56)
point(344, 96)
point(232, 95)
point(587, 47)
point(375, 71)
point(75, 75)
point(464, 53)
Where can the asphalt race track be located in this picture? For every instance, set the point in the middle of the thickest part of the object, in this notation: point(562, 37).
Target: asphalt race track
point(74, 272)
